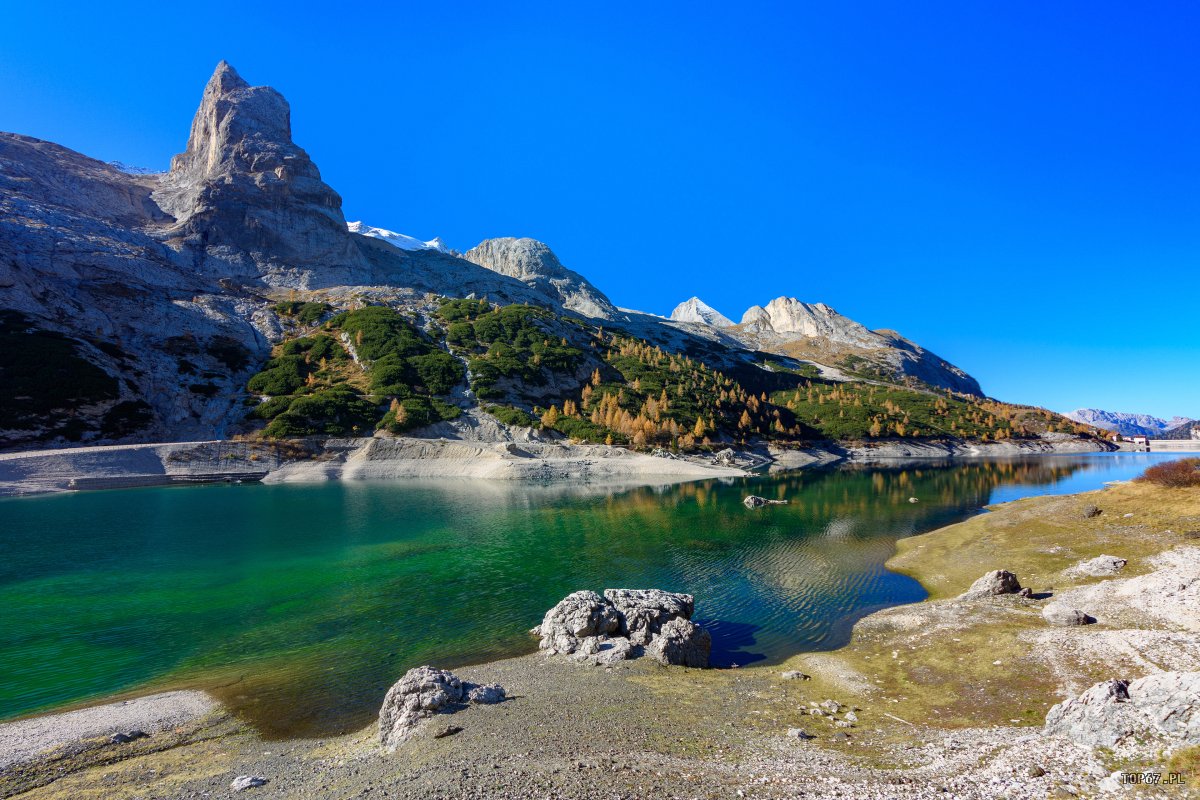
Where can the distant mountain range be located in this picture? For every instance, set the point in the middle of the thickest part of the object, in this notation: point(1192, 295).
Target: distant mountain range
point(818, 333)
point(1133, 424)
point(134, 307)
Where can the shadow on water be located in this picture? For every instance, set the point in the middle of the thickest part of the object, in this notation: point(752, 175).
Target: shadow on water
point(729, 642)
point(301, 604)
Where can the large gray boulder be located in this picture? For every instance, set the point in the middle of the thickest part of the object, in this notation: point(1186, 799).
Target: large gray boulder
point(1164, 707)
point(645, 611)
point(421, 693)
point(994, 583)
point(681, 642)
point(1065, 616)
point(485, 694)
point(577, 616)
point(1100, 566)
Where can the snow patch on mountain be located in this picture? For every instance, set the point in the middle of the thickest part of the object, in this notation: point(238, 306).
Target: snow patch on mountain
point(397, 239)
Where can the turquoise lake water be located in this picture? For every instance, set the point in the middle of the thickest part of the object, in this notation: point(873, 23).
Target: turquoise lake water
point(300, 604)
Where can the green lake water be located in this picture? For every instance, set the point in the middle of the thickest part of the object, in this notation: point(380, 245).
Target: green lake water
point(300, 604)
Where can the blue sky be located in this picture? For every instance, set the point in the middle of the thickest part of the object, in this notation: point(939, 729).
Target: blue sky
point(1014, 185)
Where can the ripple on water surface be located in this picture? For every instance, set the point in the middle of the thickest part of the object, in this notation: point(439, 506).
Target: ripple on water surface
point(300, 605)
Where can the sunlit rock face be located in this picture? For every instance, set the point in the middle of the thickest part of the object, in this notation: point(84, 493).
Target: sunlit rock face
point(535, 264)
point(816, 332)
point(252, 201)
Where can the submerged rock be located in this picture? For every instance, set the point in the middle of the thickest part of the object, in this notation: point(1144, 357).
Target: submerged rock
point(681, 642)
point(996, 582)
point(1164, 706)
point(577, 616)
point(754, 501)
point(645, 611)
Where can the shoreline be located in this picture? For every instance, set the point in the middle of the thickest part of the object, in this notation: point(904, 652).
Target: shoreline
point(966, 684)
point(404, 458)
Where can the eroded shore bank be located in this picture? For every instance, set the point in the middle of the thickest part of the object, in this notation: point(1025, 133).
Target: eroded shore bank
point(523, 459)
point(948, 696)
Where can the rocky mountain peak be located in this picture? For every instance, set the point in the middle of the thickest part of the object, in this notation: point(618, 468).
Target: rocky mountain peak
point(787, 316)
point(535, 264)
point(243, 186)
point(225, 79)
point(697, 311)
point(816, 332)
point(1126, 423)
point(523, 259)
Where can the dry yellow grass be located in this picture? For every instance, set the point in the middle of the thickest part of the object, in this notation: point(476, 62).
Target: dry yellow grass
point(936, 662)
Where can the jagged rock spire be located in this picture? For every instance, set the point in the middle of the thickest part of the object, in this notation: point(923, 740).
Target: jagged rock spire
point(243, 187)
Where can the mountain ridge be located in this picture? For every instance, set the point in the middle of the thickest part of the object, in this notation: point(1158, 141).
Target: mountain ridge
point(1126, 423)
point(176, 286)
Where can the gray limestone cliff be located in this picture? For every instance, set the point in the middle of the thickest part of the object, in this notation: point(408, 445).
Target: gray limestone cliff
point(249, 201)
point(819, 333)
point(535, 264)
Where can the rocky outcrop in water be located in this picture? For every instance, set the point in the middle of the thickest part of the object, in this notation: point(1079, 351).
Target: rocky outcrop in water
point(644, 612)
point(604, 630)
point(423, 692)
point(1163, 707)
point(754, 501)
point(578, 616)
